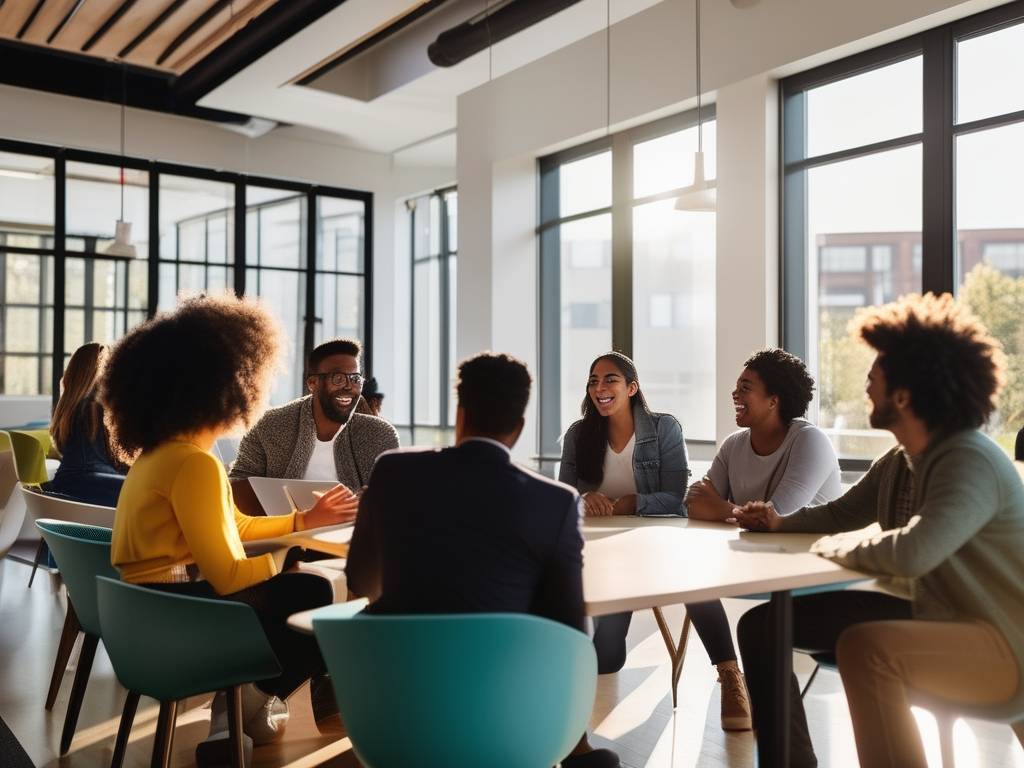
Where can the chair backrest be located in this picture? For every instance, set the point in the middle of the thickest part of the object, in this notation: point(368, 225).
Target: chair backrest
point(502, 690)
point(44, 506)
point(30, 455)
point(82, 553)
point(170, 646)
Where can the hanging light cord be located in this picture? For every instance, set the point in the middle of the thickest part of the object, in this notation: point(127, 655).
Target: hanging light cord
point(700, 128)
point(124, 97)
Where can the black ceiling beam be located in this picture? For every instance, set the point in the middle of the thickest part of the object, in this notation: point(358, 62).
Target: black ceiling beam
point(106, 25)
point(154, 25)
point(260, 36)
point(30, 19)
point(63, 22)
point(200, 22)
point(90, 77)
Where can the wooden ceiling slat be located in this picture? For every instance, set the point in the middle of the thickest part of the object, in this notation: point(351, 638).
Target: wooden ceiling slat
point(201, 21)
point(47, 19)
point(165, 14)
point(63, 22)
point(105, 27)
point(146, 52)
point(216, 32)
point(12, 16)
point(31, 17)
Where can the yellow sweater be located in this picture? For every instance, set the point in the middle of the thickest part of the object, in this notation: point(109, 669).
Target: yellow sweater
point(176, 508)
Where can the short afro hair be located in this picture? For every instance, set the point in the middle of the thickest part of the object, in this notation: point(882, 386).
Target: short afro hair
point(493, 392)
point(204, 365)
point(785, 376)
point(935, 349)
point(333, 347)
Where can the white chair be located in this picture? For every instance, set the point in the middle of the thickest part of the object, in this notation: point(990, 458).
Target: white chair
point(41, 506)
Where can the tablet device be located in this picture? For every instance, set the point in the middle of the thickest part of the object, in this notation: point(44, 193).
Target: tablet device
point(279, 496)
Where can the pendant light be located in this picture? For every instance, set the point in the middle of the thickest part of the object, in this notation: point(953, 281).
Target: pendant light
point(700, 196)
point(122, 245)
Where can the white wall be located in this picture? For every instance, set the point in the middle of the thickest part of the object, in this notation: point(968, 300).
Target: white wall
point(562, 100)
point(46, 118)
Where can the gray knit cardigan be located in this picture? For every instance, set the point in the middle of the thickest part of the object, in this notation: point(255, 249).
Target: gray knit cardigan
point(281, 443)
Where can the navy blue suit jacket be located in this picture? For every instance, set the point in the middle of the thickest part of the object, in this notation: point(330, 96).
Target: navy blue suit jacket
point(464, 530)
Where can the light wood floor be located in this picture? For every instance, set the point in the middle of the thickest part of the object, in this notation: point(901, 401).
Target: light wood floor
point(632, 715)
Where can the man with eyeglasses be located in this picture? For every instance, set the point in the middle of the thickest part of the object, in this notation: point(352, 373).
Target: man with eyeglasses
point(322, 436)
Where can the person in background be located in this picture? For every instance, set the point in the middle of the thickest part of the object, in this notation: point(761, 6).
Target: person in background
point(627, 460)
point(1018, 449)
point(321, 436)
point(776, 456)
point(950, 505)
point(92, 466)
point(172, 386)
point(499, 539)
point(373, 396)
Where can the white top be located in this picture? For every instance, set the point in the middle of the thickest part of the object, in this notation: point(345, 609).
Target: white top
point(618, 479)
point(810, 475)
point(321, 463)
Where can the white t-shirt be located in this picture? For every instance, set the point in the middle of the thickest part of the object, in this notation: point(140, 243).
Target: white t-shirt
point(811, 474)
point(619, 480)
point(321, 463)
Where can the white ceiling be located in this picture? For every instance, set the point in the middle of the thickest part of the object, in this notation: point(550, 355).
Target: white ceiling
point(423, 110)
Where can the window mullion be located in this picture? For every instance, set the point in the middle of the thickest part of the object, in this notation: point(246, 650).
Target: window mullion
point(938, 226)
point(622, 244)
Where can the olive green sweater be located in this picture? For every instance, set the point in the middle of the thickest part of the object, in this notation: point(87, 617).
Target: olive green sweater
point(963, 548)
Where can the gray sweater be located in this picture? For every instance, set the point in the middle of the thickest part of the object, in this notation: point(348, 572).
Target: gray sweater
point(281, 443)
point(963, 548)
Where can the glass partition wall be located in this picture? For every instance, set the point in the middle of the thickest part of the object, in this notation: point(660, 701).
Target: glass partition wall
point(59, 288)
point(902, 170)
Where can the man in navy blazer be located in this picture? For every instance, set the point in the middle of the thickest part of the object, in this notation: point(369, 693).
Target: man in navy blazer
point(465, 530)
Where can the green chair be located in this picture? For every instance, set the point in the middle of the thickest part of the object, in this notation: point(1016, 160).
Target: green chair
point(501, 690)
point(83, 552)
point(171, 647)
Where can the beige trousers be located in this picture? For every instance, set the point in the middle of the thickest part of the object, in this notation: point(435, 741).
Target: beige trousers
point(883, 662)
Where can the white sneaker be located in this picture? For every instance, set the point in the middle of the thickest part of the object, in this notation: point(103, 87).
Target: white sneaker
point(263, 717)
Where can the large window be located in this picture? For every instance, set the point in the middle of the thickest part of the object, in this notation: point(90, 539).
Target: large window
point(622, 269)
point(902, 172)
point(59, 288)
point(433, 247)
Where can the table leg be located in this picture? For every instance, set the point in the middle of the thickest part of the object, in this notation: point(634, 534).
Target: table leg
point(676, 651)
point(782, 613)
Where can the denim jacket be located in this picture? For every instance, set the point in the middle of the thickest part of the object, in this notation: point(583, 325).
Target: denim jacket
point(659, 464)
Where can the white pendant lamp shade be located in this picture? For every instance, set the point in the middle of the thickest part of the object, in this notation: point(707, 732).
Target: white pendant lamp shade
point(701, 196)
point(122, 245)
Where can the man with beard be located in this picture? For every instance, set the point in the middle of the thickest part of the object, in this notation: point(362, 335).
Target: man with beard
point(950, 506)
point(321, 436)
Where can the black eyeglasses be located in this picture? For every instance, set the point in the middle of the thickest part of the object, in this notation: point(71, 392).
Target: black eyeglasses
point(337, 378)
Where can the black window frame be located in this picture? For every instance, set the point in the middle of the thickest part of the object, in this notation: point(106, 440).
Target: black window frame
point(937, 138)
point(621, 146)
point(237, 275)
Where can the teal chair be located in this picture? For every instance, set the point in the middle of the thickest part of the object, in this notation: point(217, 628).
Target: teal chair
point(83, 552)
point(171, 647)
point(501, 690)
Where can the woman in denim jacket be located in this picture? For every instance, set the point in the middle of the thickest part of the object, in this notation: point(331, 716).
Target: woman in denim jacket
point(627, 460)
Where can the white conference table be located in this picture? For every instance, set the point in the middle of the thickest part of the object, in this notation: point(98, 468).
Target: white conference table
point(635, 563)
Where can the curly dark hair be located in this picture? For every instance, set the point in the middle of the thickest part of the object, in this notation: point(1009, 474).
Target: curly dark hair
point(493, 392)
point(205, 364)
point(935, 349)
point(785, 376)
point(333, 347)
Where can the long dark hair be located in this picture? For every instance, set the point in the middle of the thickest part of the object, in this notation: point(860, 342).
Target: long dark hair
point(592, 435)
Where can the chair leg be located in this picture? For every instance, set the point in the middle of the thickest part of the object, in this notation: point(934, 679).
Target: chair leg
point(68, 636)
point(810, 680)
point(163, 740)
point(124, 730)
point(41, 552)
point(78, 691)
point(235, 732)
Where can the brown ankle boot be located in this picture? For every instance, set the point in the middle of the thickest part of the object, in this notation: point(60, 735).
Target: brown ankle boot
point(735, 700)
